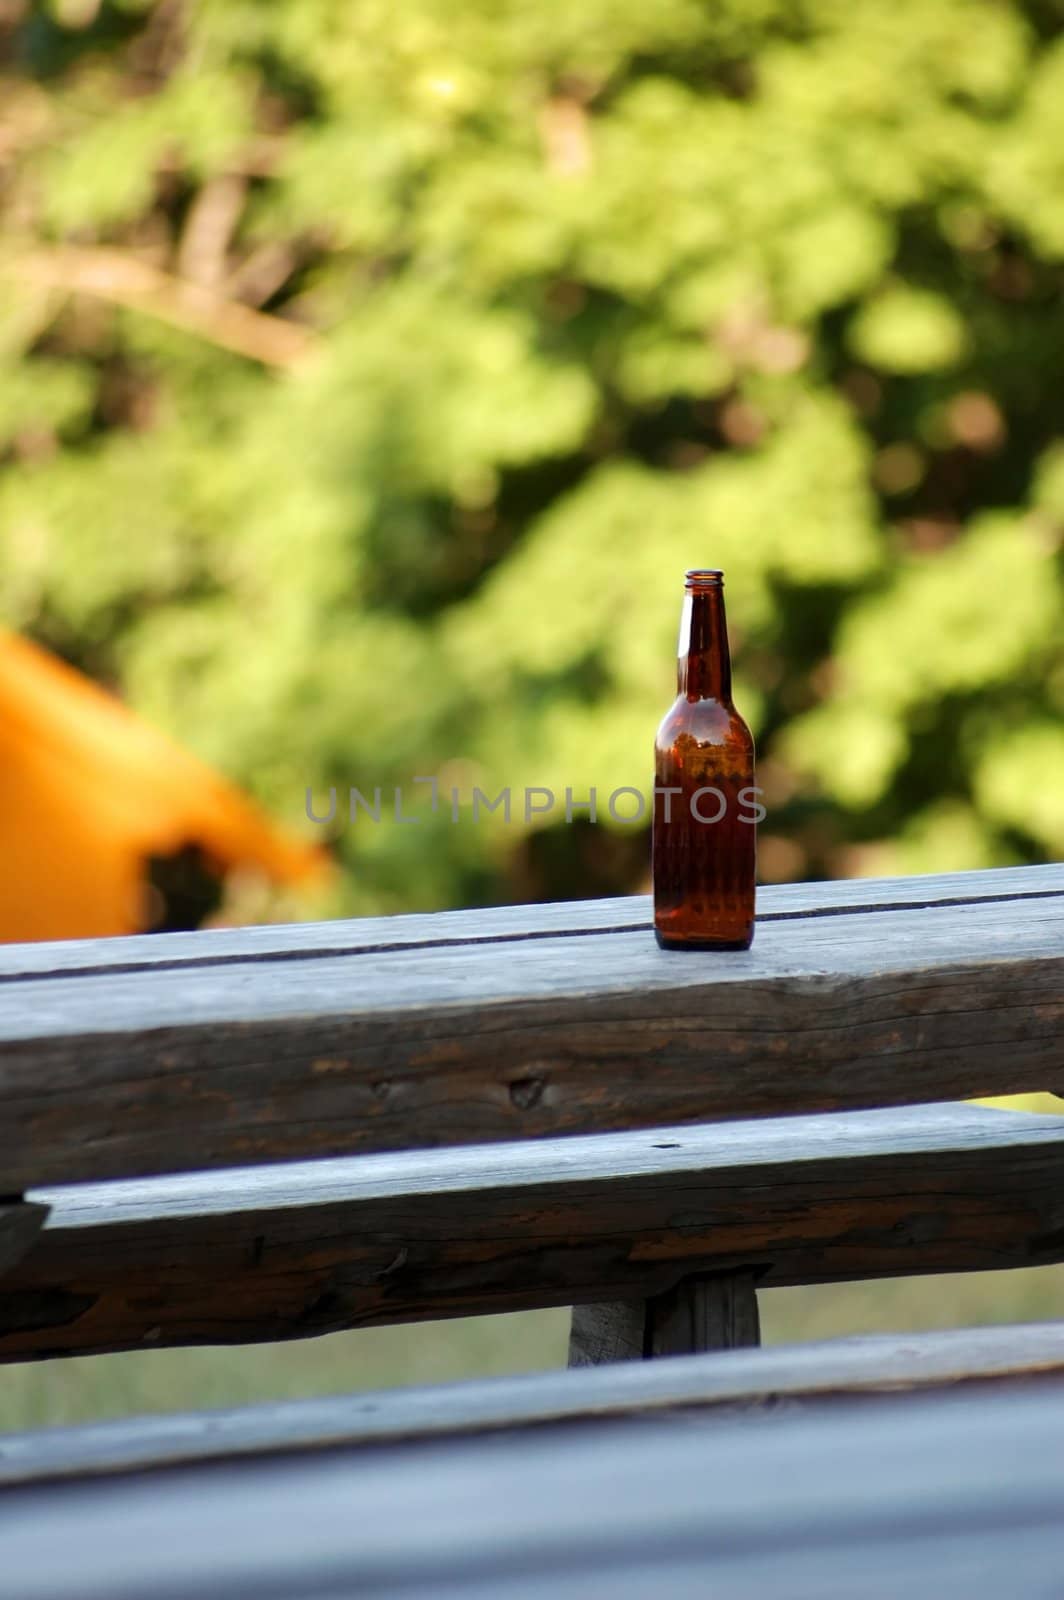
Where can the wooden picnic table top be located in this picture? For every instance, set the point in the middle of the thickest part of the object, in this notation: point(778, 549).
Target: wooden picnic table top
point(131, 1057)
point(928, 1494)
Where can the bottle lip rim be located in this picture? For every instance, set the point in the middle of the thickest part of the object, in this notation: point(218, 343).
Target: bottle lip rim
point(707, 575)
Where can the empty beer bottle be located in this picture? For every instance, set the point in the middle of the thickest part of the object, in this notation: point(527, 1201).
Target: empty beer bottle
point(705, 804)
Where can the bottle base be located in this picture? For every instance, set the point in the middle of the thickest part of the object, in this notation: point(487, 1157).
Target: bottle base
point(665, 943)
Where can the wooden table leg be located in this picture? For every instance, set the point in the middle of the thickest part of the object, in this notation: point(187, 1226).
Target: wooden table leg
point(612, 1331)
point(20, 1223)
point(709, 1311)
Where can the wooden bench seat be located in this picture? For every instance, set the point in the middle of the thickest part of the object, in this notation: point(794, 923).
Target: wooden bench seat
point(283, 1251)
point(712, 1384)
point(928, 1494)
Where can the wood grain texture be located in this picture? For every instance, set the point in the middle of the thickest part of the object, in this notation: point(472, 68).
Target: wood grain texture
point(560, 1026)
point(281, 1252)
point(710, 1311)
point(707, 1311)
point(782, 1377)
point(928, 1495)
point(613, 1330)
point(494, 924)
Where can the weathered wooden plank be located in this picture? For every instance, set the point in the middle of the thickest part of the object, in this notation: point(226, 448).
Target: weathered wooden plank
point(974, 1359)
point(111, 1074)
point(488, 924)
point(855, 1502)
point(271, 1253)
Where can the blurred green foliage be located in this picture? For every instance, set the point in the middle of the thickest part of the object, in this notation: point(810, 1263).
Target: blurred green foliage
point(370, 373)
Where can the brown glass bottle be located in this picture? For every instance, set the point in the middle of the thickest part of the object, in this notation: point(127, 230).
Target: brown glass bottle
point(705, 804)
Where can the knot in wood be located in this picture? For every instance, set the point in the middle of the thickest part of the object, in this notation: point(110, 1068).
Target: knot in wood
point(527, 1092)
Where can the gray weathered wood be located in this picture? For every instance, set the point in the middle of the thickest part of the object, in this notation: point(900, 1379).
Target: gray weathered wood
point(559, 1029)
point(494, 924)
point(708, 1311)
point(611, 1330)
point(927, 1495)
point(713, 1311)
point(280, 1252)
point(20, 1223)
point(973, 1359)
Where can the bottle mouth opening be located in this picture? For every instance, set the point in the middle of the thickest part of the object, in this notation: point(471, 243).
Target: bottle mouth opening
point(703, 578)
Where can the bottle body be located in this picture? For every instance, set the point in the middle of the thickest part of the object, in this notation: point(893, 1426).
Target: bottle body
point(705, 802)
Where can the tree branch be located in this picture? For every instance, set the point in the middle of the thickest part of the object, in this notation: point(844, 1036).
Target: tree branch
point(124, 280)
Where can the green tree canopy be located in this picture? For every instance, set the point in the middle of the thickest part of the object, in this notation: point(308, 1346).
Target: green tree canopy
point(370, 373)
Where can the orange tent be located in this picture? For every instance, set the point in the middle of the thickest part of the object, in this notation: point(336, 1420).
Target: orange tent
point(89, 792)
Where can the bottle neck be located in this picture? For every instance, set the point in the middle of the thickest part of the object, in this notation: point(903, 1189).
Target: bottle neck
point(704, 665)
